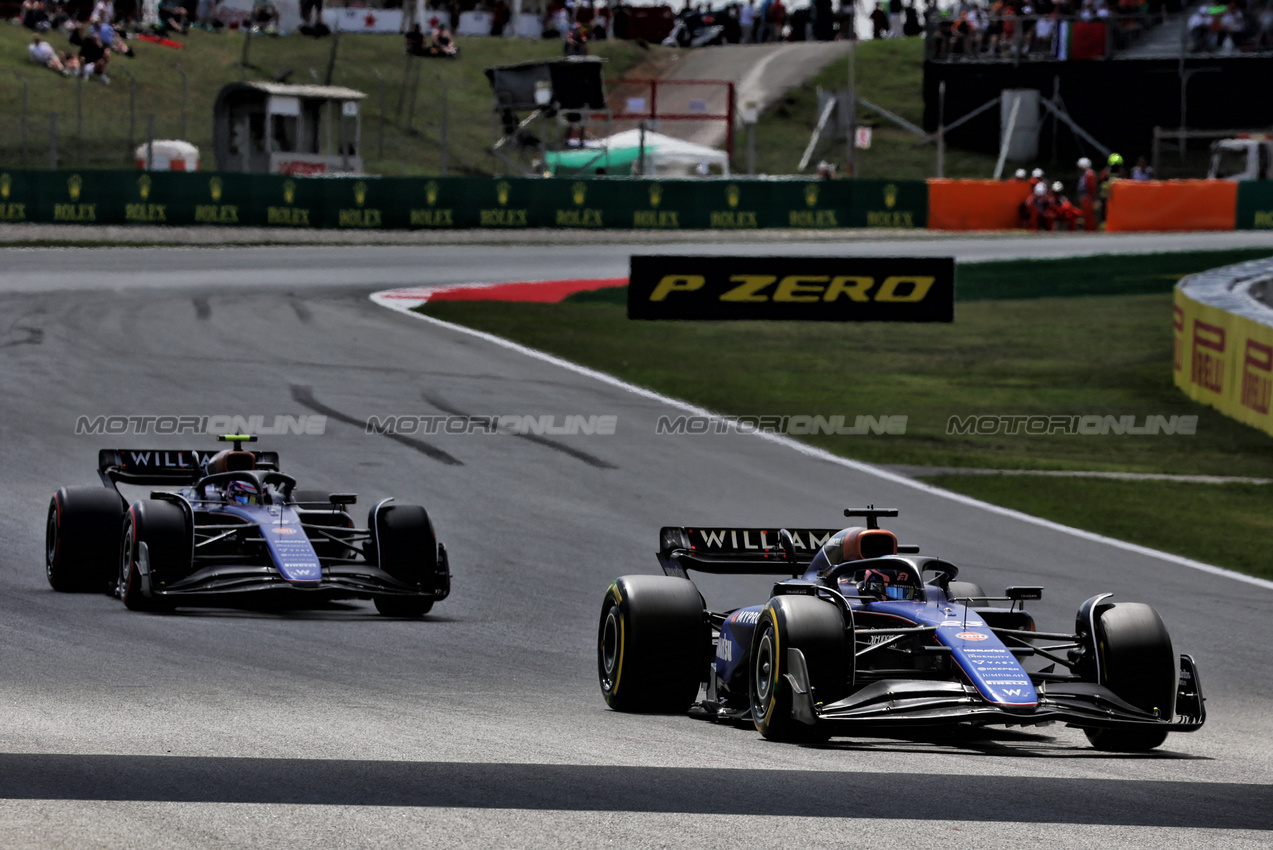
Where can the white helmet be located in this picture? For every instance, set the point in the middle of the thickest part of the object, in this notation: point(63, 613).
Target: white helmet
point(1040, 189)
point(1020, 175)
point(1057, 187)
point(1085, 163)
point(1037, 173)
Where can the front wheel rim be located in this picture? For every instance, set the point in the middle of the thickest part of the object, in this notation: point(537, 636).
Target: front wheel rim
point(50, 540)
point(125, 561)
point(610, 643)
point(763, 674)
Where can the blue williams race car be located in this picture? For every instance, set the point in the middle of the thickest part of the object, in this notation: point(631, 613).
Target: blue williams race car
point(231, 524)
point(865, 634)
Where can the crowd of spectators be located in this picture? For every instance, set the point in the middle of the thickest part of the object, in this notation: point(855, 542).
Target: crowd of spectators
point(1230, 28)
point(438, 44)
point(1026, 28)
point(91, 43)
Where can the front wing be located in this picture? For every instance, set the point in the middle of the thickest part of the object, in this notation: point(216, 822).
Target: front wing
point(909, 702)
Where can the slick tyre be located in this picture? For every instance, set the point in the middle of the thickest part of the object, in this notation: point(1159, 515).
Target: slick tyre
point(154, 551)
point(653, 644)
point(404, 545)
point(964, 590)
point(817, 629)
point(82, 538)
point(1136, 661)
point(403, 606)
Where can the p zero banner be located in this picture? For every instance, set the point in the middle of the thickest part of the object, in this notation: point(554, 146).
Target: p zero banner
point(850, 289)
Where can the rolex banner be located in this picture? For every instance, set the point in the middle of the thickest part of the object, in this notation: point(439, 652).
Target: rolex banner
point(361, 202)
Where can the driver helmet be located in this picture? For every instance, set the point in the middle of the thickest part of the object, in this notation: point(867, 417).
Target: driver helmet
point(242, 492)
point(888, 584)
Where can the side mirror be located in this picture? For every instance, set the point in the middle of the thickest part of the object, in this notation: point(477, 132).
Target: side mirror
point(1018, 594)
point(343, 498)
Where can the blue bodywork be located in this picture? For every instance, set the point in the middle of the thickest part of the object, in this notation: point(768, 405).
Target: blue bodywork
point(983, 658)
point(288, 544)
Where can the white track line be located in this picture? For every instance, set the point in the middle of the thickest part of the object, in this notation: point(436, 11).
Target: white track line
point(394, 300)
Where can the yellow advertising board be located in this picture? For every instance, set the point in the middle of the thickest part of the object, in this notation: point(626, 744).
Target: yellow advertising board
point(1223, 359)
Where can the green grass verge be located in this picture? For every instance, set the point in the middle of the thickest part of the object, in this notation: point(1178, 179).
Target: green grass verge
point(211, 60)
point(889, 73)
point(1228, 525)
point(1078, 355)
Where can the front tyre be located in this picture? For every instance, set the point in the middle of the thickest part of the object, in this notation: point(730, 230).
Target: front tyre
point(404, 545)
point(653, 644)
point(403, 606)
point(155, 549)
point(817, 629)
point(1136, 661)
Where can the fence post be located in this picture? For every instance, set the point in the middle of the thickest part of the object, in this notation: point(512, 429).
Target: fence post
point(150, 142)
point(132, 111)
point(445, 124)
point(185, 96)
point(22, 80)
point(247, 43)
point(79, 120)
point(331, 58)
point(941, 130)
point(380, 144)
point(53, 141)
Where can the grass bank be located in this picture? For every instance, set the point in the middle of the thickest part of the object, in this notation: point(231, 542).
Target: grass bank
point(1225, 524)
point(98, 137)
point(1087, 336)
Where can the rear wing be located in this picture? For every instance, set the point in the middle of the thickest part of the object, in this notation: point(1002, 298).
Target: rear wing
point(738, 551)
point(163, 466)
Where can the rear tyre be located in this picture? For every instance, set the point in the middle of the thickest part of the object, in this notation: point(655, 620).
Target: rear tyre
point(817, 629)
point(156, 540)
point(1136, 662)
point(653, 644)
point(964, 590)
point(81, 541)
point(310, 497)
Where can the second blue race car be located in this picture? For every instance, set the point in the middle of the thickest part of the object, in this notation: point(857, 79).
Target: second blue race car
point(865, 634)
point(229, 525)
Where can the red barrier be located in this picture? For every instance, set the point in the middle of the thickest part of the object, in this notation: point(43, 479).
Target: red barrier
point(1171, 205)
point(975, 204)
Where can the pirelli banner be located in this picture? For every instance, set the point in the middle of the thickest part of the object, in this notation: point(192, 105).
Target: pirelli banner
point(1222, 357)
point(848, 289)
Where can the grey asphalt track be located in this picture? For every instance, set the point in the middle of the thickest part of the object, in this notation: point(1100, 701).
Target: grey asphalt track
point(482, 726)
